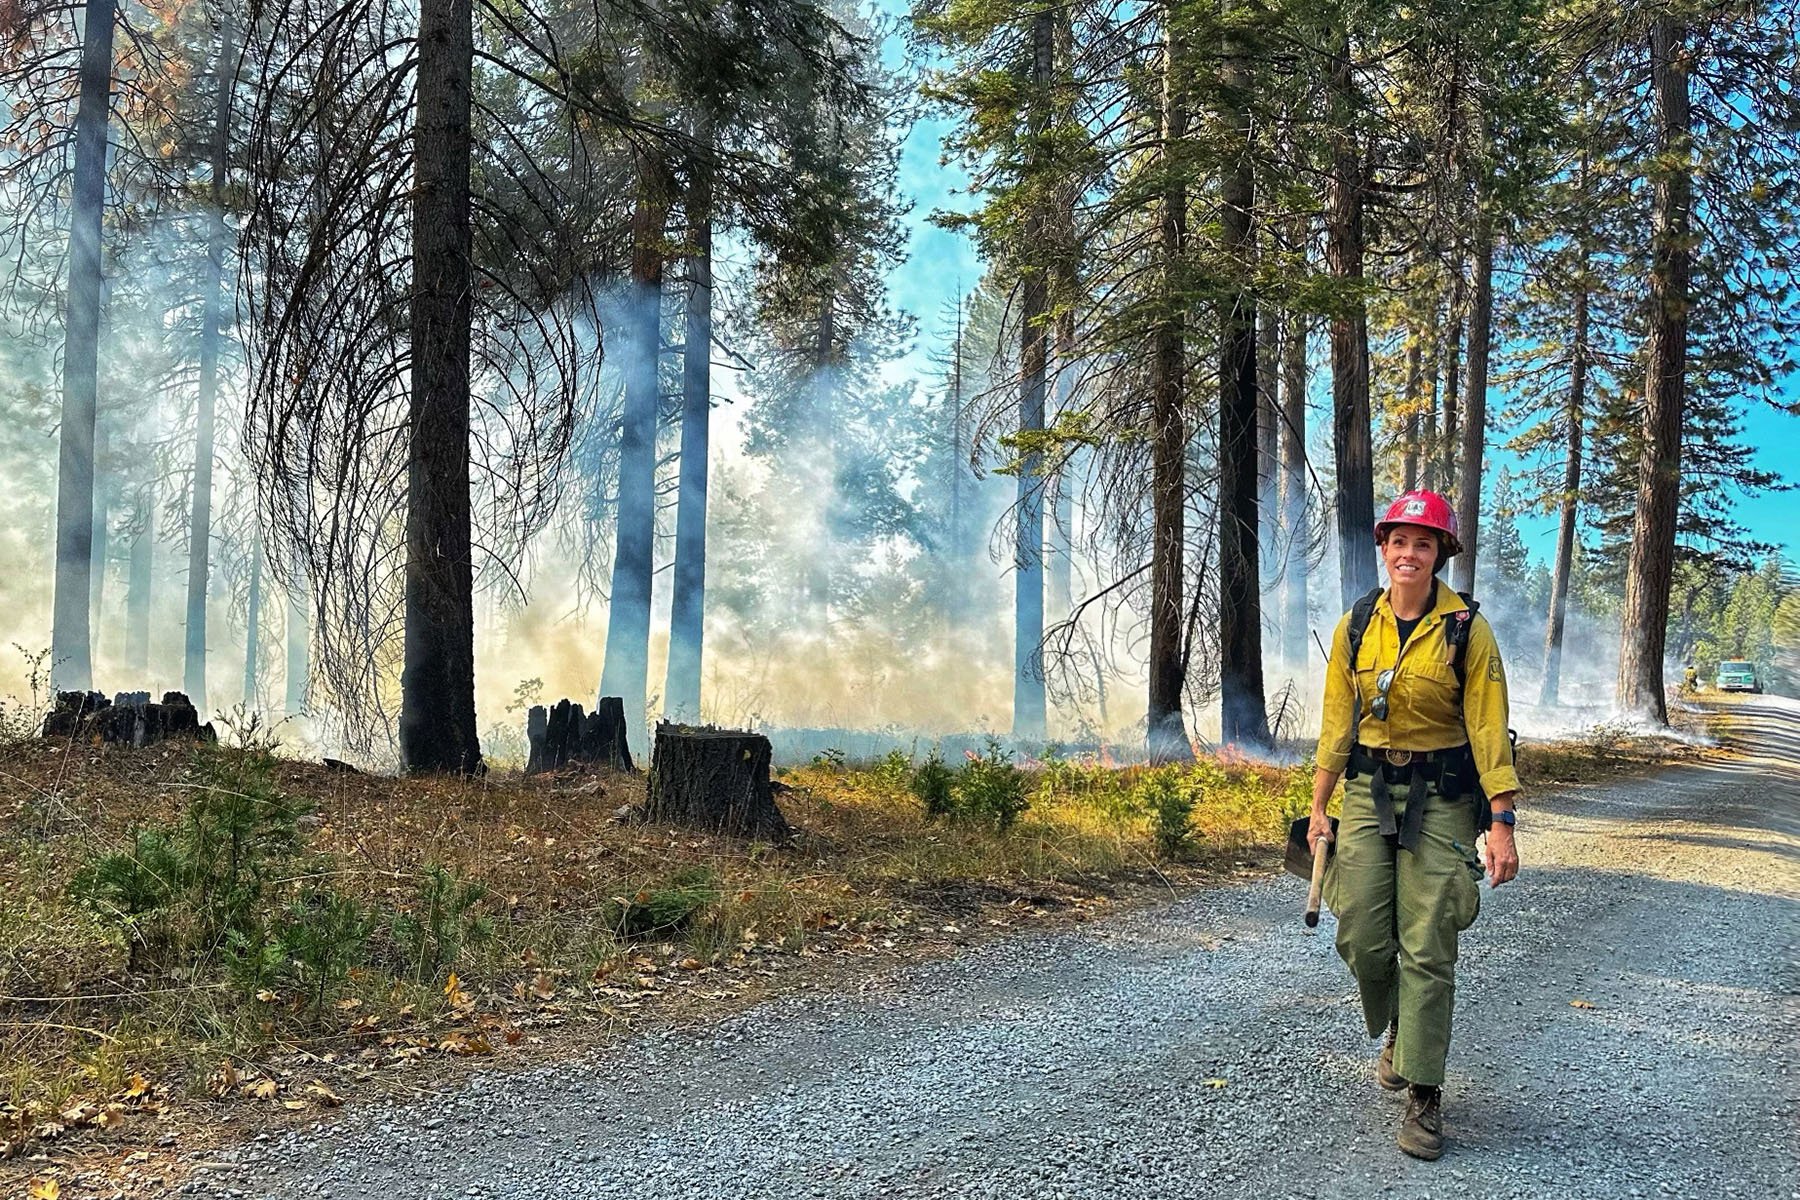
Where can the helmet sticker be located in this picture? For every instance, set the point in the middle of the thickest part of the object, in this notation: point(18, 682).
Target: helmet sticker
point(1413, 508)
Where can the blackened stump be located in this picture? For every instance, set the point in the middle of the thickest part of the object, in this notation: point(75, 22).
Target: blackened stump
point(714, 779)
point(563, 734)
point(132, 721)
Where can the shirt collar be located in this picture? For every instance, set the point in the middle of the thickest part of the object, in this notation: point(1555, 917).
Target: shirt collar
point(1444, 601)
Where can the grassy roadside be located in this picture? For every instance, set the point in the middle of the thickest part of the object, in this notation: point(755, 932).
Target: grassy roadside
point(186, 930)
point(197, 936)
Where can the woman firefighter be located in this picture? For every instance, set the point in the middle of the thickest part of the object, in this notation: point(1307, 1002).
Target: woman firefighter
point(1415, 721)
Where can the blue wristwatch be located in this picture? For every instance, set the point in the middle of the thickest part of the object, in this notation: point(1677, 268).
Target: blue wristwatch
point(1505, 816)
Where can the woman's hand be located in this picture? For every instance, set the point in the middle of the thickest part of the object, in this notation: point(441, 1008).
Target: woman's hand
point(1320, 827)
point(1500, 855)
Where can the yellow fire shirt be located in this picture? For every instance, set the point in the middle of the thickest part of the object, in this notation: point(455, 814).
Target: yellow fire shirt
point(1425, 711)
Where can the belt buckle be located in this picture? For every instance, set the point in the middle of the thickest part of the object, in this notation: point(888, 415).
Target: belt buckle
point(1399, 758)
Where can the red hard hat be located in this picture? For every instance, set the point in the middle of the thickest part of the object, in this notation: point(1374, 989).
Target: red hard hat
point(1420, 507)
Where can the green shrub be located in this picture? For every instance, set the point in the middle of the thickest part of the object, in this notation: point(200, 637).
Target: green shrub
point(931, 783)
point(134, 883)
point(991, 787)
point(22, 718)
point(658, 911)
point(1296, 794)
point(321, 935)
point(442, 920)
point(183, 891)
point(894, 770)
point(238, 826)
point(1167, 794)
point(829, 759)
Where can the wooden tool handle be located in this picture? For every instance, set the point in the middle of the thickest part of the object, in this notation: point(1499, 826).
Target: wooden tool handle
point(1321, 855)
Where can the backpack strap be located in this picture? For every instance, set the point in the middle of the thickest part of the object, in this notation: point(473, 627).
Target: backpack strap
point(1456, 633)
point(1360, 615)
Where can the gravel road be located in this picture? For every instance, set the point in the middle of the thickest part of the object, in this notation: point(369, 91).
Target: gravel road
point(1210, 1048)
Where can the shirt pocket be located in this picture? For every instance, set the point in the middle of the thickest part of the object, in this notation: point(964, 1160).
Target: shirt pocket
point(1436, 697)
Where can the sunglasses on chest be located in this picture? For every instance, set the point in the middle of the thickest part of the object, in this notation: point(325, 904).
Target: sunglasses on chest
point(1378, 707)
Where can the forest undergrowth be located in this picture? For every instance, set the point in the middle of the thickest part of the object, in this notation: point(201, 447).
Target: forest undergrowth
point(188, 932)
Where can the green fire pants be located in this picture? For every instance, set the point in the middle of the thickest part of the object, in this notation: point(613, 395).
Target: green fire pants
point(1398, 915)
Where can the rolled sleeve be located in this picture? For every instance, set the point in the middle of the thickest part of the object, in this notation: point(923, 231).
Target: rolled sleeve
point(1486, 712)
point(1337, 723)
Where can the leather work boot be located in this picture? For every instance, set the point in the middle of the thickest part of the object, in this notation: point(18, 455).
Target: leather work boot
point(1385, 1074)
point(1422, 1128)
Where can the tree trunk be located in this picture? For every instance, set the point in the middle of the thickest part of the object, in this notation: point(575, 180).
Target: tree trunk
point(1409, 435)
point(687, 619)
point(1062, 525)
point(253, 625)
point(1268, 437)
point(1568, 504)
point(1565, 531)
point(715, 780)
point(100, 548)
point(1428, 435)
point(1029, 709)
point(212, 318)
point(820, 566)
point(437, 682)
point(1167, 731)
point(1349, 337)
point(627, 666)
point(298, 649)
point(137, 593)
point(71, 656)
point(1294, 624)
point(959, 451)
point(1243, 715)
point(1652, 561)
point(1446, 450)
point(1474, 408)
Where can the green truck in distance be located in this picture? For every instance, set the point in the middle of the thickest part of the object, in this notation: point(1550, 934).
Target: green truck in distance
point(1736, 675)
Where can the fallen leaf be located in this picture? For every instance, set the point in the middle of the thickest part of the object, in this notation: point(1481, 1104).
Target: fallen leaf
point(1217, 1083)
point(1581, 1004)
point(224, 1079)
point(268, 997)
point(350, 1004)
point(45, 1189)
point(262, 1089)
point(691, 964)
point(139, 1086)
point(454, 994)
point(111, 1116)
point(323, 1096)
point(543, 987)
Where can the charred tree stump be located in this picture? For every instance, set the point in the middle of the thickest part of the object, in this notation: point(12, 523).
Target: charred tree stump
point(563, 735)
point(714, 779)
point(133, 721)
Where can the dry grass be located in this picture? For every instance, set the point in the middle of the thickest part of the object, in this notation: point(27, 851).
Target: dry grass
point(98, 1032)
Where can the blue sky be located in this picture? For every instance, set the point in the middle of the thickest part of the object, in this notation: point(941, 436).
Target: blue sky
point(938, 261)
